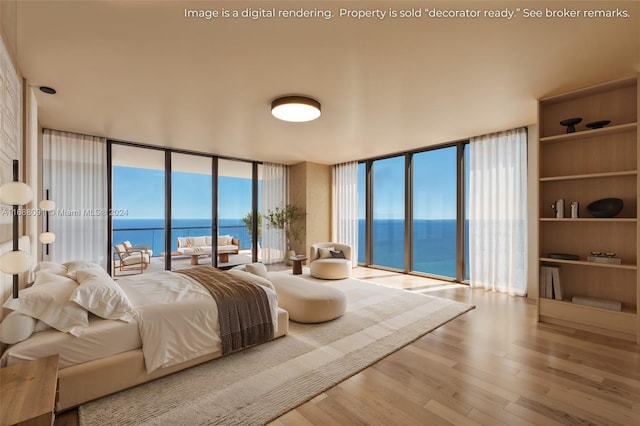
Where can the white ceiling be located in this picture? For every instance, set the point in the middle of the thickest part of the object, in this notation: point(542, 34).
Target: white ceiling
point(140, 71)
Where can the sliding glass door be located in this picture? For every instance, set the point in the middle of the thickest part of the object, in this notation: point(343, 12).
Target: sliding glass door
point(434, 211)
point(191, 210)
point(412, 211)
point(235, 206)
point(138, 193)
point(388, 212)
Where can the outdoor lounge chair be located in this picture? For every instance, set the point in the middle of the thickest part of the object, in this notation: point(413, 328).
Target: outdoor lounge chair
point(135, 261)
point(144, 248)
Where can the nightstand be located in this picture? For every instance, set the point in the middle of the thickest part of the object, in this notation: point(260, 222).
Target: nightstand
point(28, 392)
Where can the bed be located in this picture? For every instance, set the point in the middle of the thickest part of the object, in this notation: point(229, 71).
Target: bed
point(114, 335)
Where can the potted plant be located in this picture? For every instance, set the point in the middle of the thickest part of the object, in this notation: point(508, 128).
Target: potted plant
point(248, 222)
point(288, 220)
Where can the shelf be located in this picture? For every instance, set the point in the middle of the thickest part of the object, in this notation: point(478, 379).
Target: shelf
point(595, 89)
point(590, 133)
point(626, 310)
point(584, 263)
point(591, 219)
point(590, 176)
point(620, 324)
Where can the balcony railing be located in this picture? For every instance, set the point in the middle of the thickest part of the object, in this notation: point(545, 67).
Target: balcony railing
point(154, 237)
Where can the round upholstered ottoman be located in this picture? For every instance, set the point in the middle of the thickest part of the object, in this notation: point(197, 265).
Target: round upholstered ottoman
point(306, 301)
point(330, 268)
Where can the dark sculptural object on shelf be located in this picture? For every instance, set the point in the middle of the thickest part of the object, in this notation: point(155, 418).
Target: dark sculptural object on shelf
point(571, 123)
point(606, 207)
point(597, 124)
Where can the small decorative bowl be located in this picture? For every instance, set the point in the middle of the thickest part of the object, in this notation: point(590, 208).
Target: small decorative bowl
point(597, 124)
point(606, 207)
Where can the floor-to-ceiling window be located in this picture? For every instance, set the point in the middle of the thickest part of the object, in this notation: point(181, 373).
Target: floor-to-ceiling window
point(412, 212)
point(200, 194)
point(191, 206)
point(138, 188)
point(388, 212)
point(434, 211)
point(235, 203)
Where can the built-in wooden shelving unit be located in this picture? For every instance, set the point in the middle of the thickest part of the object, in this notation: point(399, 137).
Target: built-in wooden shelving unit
point(585, 166)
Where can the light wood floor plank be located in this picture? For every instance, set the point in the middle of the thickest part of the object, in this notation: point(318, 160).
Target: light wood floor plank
point(593, 405)
point(449, 414)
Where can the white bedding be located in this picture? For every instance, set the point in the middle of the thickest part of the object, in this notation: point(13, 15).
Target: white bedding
point(101, 339)
point(176, 321)
point(177, 318)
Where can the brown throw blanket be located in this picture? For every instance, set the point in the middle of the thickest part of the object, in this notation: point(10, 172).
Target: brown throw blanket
point(243, 307)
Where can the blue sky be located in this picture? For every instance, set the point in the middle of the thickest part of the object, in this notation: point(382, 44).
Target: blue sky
point(434, 195)
point(141, 193)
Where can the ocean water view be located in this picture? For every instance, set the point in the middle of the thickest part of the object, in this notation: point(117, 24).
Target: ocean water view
point(434, 244)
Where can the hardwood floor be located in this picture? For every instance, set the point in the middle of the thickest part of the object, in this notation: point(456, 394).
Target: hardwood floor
point(493, 365)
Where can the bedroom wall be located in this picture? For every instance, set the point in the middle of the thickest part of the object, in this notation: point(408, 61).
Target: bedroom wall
point(8, 25)
point(32, 161)
point(310, 188)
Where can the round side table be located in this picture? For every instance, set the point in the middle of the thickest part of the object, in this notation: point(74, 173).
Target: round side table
point(297, 263)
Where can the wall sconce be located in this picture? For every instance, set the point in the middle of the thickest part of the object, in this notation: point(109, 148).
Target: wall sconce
point(16, 261)
point(47, 237)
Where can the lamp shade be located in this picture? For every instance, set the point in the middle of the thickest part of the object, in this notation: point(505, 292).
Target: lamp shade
point(14, 262)
point(15, 193)
point(47, 205)
point(47, 237)
point(295, 108)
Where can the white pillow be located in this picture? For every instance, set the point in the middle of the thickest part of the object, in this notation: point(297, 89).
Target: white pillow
point(48, 300)
point(99, 294)
point(256, 279)
point(77, 265)
point(53, 267)
point(16, 327)
point(324, 253)
point(199, 241)
point(257, 269)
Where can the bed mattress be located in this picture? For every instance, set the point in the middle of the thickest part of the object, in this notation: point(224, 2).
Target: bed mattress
point(103, 338)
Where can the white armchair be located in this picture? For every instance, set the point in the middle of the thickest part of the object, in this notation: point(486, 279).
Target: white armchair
point(330, 261)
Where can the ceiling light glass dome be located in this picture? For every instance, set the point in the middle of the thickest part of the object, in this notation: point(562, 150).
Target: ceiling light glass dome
point(295, 108)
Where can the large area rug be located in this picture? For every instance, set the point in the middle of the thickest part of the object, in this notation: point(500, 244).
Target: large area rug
point(260, 384)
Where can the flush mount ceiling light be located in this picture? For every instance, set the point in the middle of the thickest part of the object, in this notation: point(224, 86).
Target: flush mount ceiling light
point(295, 108)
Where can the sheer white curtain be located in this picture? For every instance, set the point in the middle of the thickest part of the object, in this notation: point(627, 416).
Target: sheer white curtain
point(344, 205)
point(275, 190)
point(75, 173)
point(497, 212)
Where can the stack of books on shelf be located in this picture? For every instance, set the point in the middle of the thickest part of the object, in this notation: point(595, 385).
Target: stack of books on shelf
point(605, 259)
point(550, 283)
point(612, 305)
